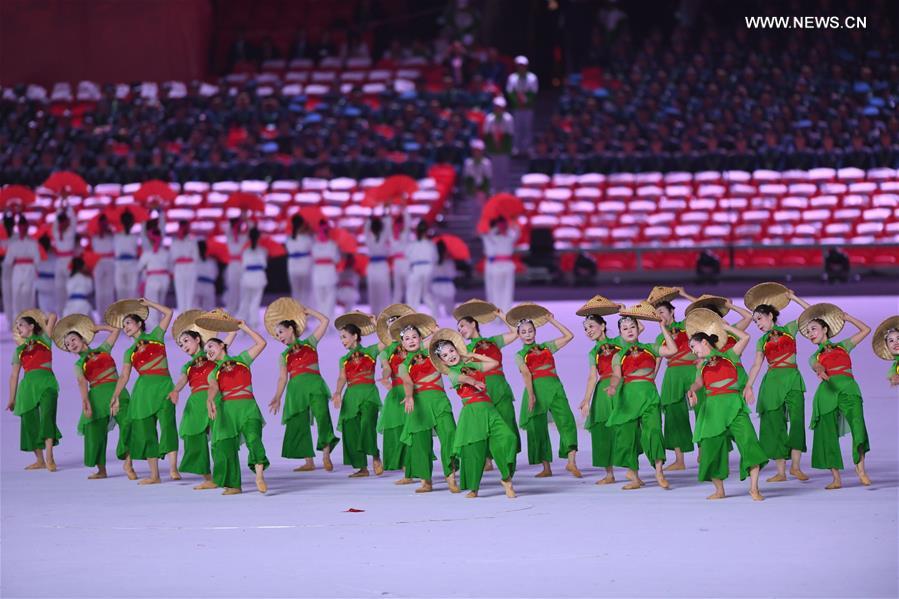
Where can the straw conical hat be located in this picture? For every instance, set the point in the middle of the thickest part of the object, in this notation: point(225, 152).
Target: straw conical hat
point(483, 312)
point(703, 320)
point(218, 320)
point(116, 312)
point(284, 308)
point(527, 311)
point(773, 294)
point(187, 321)
point(662, 294)
point(364, 321)
point(446, 335)
point(641, 311)
point(599, 306)
point(73, 323)
point(829, 313)
point(715, 303)
point(387, 316)
point(879, 342)
point(425, 324)
point(39, 317)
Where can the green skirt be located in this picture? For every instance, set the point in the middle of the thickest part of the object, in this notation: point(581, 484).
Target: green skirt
point(717, 415)
point(498, 389)
point(393, 414)
point(230, 417)
point(675, 383)
point(600, 407)
point(195, 419)
point(32, 387)
point(429, 406)
point(544, 388)
point(301, 389)
point(776, 385)
point(827, 397)
point(99, 398)
point(354, 398)
point(631, 400)
point(480, 421)
point(148, 395)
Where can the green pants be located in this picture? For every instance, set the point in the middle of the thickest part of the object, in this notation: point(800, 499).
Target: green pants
point(602, 441)
point(471, 468)
point(39, 424)
point(826, 452)
point(715, 450)
point(95, 435)
point(776, 439)
point(226, 455)
point(395, 451)
point(123, 447)
point(360, 436)
point(325, 427)
point(676, 431)
point(196, 454)
point(539, 446)
point(419, 463)
point(643, 435)
point(506, 411)
point(145, 443)
point(297, 442)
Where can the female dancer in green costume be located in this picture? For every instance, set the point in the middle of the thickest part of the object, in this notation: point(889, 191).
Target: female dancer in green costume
point(636, 413)
point(96, 374)
point(838, 399)
point(544, 392)
point(481, 428)
point(427, 407)
point(497, 386)
point(360, 404)
point(307, 393)
point(33, 399)
point(393, 414)
point(150, 402)
point(195, 423)
point(232, 406)
point(781, 397)
point(724, 415)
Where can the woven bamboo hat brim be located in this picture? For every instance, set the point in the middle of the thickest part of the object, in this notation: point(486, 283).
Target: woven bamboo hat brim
point(284, 308)
point(116, 313)
point(716, 303)
point(483, 312)
point(641, 311)
point(599, 306)
point(362, 320)
point(39, 317)
point(187, 321)
point(879, 342)
point(219, 321)
point(773, 294)
point(528, 311)
point(387, 315)
point(446, 335)
point(829, 313)
point(703, 320)
point(425, 324)
point(662, 294)
point(73, 323)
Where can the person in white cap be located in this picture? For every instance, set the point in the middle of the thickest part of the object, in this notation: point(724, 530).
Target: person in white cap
point(422, 255)
point(185, 255)
point(477, 172)
point(521, 89)
point(124, 245)
point(103, 244)
point(63, 229)
point(498, 134)
point(22, 257)
point(499, 269)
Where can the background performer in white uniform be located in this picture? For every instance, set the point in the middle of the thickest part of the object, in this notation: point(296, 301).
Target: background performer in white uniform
point(399, 239)
point(79, 287)
point(103, 245)
point(207, 273)
point(155, 263)
point(377, 275)
point(64, 241)
point(443, 284)
point(252, 280)
point(325, 257)
point(125, 247)
point(184, 255)
point(499, 270)
point(235, 239)
point(422, 255)
point(45, 286)
point(22, 256)
point(299, 259)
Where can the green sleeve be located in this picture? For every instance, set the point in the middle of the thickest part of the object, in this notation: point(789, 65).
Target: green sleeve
point(760, 344)
point(479, 366)
point(157, 334)
point(16, 356)
point(616, 360)
point(128, 353)
point(551, 346)
point(453, 375)
point(78, 366)
point(385, 354)
point(372, 352)
point(499, 340)
point(653, 349)
point(733, 357)
point(245, 358)
point(591, 357)
point(813, 359)
point(847, 344)
point(792, 327)
point(403, 369)
point(186, 366)
point(311, 340)
point(105, 347)
point(519, 360)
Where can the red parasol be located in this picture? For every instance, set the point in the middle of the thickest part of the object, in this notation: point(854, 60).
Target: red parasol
point(15, 196)
point(245, 201)
point(218, 251)
point(396, 189)
point(502, 204)
point(114, 214)
point(272, 247)
point(90, 258)
point(346, 242)
point(66, 182)
point(156, 192)
point(360, 264)
point(312, 215)
point(44, 229)
point(455, 247)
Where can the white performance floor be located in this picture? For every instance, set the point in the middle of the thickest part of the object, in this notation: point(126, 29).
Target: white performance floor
point(65, 536)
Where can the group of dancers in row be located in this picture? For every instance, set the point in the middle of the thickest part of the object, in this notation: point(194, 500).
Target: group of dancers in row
point(626, 413)
point(404, 265)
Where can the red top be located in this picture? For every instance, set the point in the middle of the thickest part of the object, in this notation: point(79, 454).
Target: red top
point(301, 358)
point(148, 356)
point(359, 369)
point(637, 361)
point(718, 376)
point(540, 362)
point(198, 374)
point(470, 393)
point(99, 369)
point(779, 349)
point(835, 360)
point(604, 358)
point(421, 369)
point(396, 359)
point(682, 341)
point(36, 356)
point(486, 347)
point(235, 381)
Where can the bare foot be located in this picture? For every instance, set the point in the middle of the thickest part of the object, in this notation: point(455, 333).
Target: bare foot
point(631, 486)
point(717, 495)
point(174, 475)
point(149, 481)
point(96, 476)
point(572, 468)
point(488, 465)
point(129, 472)
point(663, 482)
point(799, 474)
point(206, 484)
point(863, 479)
point(51, 465)
point(36, 466)
point(675, 466)
point(379, 467)
point(471, 494)
point(232, 491)
point(361, 473)
point(404, 481)
point(305, 468)
point(260, 484)
point(425, 487)
point(545, 473)
point(326, 460)
point(777, 478)
point(608, 480)
point(756, 495)
point(507, 487)
point(451, 482)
